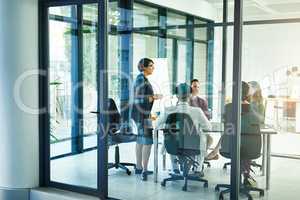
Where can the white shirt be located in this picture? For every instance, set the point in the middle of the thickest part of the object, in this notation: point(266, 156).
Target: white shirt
point(199, 119)
point(196, 114)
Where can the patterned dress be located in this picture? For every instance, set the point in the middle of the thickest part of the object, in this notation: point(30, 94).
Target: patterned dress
point(141, 110)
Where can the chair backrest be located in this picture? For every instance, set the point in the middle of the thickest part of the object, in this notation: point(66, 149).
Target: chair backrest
point(250, 133)
point(114, 117)
point(181, 134)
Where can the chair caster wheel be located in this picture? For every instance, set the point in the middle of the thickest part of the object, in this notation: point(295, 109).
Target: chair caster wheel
point(261, 193)
point(205, 185)
point(221, 197)
point(128, 172)
point(163, 184)
point(184, 188)
point(217, 189)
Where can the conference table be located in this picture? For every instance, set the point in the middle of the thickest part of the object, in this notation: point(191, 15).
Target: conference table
point(266, 133)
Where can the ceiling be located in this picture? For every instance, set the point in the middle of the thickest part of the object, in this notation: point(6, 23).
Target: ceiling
point(263, 9)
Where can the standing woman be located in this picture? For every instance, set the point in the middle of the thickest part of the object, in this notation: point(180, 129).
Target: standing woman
point(141, 113)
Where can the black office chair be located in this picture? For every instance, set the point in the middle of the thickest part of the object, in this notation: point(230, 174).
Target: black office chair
point(118, 133)
point(253, 163)
point(250, 147)
point(182, 140)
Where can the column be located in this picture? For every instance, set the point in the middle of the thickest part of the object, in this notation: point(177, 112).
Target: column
point(19, 168)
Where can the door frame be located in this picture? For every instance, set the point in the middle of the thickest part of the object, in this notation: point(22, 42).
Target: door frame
point(44, 125)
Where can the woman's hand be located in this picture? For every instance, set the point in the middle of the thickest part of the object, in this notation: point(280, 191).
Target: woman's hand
point(154, 117)
point(155, 97)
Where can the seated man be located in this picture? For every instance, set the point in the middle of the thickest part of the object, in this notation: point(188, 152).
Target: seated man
point(197, 101)
point(183, 92)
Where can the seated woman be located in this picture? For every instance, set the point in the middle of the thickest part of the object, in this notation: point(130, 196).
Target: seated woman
point(249, 118)
point(254, 96)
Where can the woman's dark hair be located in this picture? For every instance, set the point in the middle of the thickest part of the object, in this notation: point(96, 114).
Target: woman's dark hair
point(245, 90)
point(194, 80)
point(144, 63)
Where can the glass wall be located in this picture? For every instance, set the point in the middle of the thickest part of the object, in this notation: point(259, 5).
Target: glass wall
point(136, 30)
point(162, 35)
point(270, 67)
point(272, 50)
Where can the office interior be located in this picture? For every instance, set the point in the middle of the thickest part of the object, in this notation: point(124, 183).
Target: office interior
point(186, 40)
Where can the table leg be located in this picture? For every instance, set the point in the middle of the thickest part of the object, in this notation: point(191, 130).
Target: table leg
point(164, 162)
point(264, 154)
point(155, 156)
point(268, 162)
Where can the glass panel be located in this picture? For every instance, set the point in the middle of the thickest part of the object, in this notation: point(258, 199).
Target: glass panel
point(200, 66)
point(217, 74)
point(70, 124)
point(174, 19)
point(143, 46)
point(113, 13)
point(144, 16)
point(220, 137)
point(259, 10)
point(170, 58)
point(125, 51)
point(181, 62)
point(274, 90)
point(218, 6)
point(114, 79)
point(200, 33)
point(278, 78)
point(60, 39)
point(90, 13)
point(270, 10)
point(61, 11)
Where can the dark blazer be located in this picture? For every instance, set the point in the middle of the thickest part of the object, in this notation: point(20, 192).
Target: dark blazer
point(141, 108)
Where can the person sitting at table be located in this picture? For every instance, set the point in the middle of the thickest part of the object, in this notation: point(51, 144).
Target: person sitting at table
point(197, 101)
point(257, 100)
point(183, 93)
point(248, 109)
point(254, 96)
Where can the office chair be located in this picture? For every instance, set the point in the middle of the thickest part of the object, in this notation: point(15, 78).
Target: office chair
point(182, 140)
point(253, 163)
point(118, 133)
point(250, 147)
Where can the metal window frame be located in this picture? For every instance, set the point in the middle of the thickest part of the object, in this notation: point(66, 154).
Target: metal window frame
point(44, 128)
point(236, 100)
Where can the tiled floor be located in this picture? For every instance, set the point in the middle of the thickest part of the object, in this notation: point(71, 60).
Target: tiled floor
point(81, 170)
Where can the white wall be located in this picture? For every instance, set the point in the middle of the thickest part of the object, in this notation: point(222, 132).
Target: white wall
point(19, 129)
point(195, 7)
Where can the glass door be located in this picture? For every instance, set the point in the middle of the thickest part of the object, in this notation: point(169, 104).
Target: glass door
point(73, 101)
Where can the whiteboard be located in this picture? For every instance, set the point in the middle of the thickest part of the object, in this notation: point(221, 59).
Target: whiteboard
point(161, 84)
